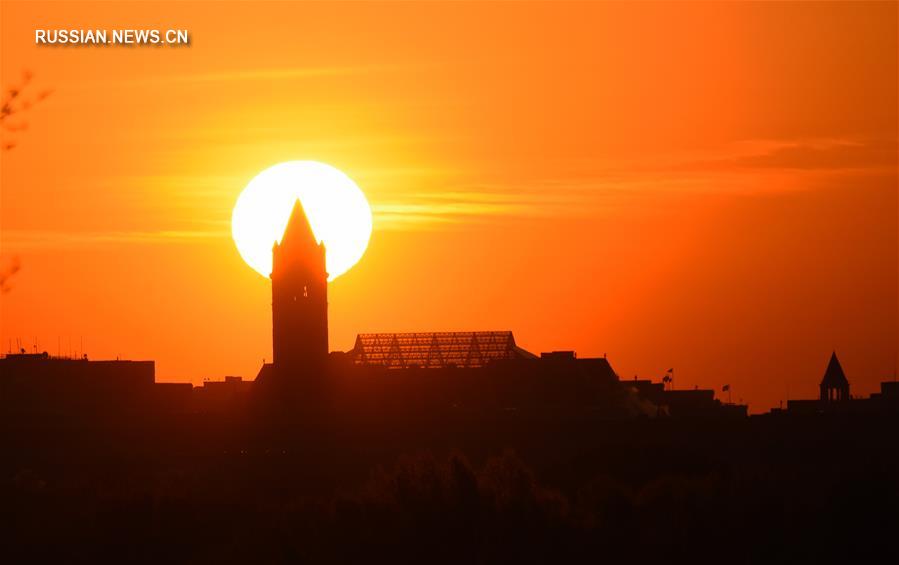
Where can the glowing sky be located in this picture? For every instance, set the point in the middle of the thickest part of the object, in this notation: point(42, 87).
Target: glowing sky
point(710, 187)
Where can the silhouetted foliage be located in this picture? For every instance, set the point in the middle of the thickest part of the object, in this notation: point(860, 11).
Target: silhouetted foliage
point(805, 500)
point(7, 271)
point(17, 100)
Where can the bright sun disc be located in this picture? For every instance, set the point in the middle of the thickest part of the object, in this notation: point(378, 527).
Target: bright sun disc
point(337, 210)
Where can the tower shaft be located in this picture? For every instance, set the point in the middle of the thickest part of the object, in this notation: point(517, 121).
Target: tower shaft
point(299, 298)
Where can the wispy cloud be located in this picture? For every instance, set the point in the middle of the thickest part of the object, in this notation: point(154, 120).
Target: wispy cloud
point(443, 198)
point(745, 167)
point(809, 154)
point(468, 203)
point(240, 75)
point(23, 239)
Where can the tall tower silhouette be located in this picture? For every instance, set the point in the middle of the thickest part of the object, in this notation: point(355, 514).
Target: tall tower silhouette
point(299, 298)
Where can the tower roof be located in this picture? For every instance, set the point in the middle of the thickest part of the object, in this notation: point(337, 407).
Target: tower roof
point(298, 230)
point(834, 376)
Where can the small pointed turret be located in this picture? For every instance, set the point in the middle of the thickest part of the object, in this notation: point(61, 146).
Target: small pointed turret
point(834, 385)
point(834, 375)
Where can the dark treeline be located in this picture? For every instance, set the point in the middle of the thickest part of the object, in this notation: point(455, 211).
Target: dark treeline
point(758, 491)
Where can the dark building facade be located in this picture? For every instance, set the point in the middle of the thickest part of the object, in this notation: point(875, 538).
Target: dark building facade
point(39, 383)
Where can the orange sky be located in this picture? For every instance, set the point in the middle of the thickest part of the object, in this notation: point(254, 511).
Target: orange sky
point(709, 187)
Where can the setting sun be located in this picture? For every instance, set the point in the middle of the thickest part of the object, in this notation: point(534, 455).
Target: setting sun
point(337, 210)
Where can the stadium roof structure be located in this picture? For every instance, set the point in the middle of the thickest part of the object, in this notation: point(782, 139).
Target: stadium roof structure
point(436, 350)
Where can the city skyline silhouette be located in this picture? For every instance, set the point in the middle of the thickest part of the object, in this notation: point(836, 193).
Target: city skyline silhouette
point(653, 186)
point(441, 282)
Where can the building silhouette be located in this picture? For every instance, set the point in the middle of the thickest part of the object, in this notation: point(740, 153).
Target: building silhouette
point(41, 384)
point(834, 386)
point(299, 299)
point(470, 374)
point(834, 397)
point(473, 375)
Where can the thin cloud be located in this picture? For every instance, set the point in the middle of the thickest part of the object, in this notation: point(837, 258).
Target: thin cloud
point(474, 203)
point(239, 75)
point(822, 154)
point(21, 239)
point(743, 168)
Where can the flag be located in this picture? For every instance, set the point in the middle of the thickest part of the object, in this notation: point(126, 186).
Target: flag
point(725, 388)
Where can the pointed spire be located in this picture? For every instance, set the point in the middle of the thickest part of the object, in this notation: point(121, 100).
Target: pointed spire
point(298, 228)
point(834, 375)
